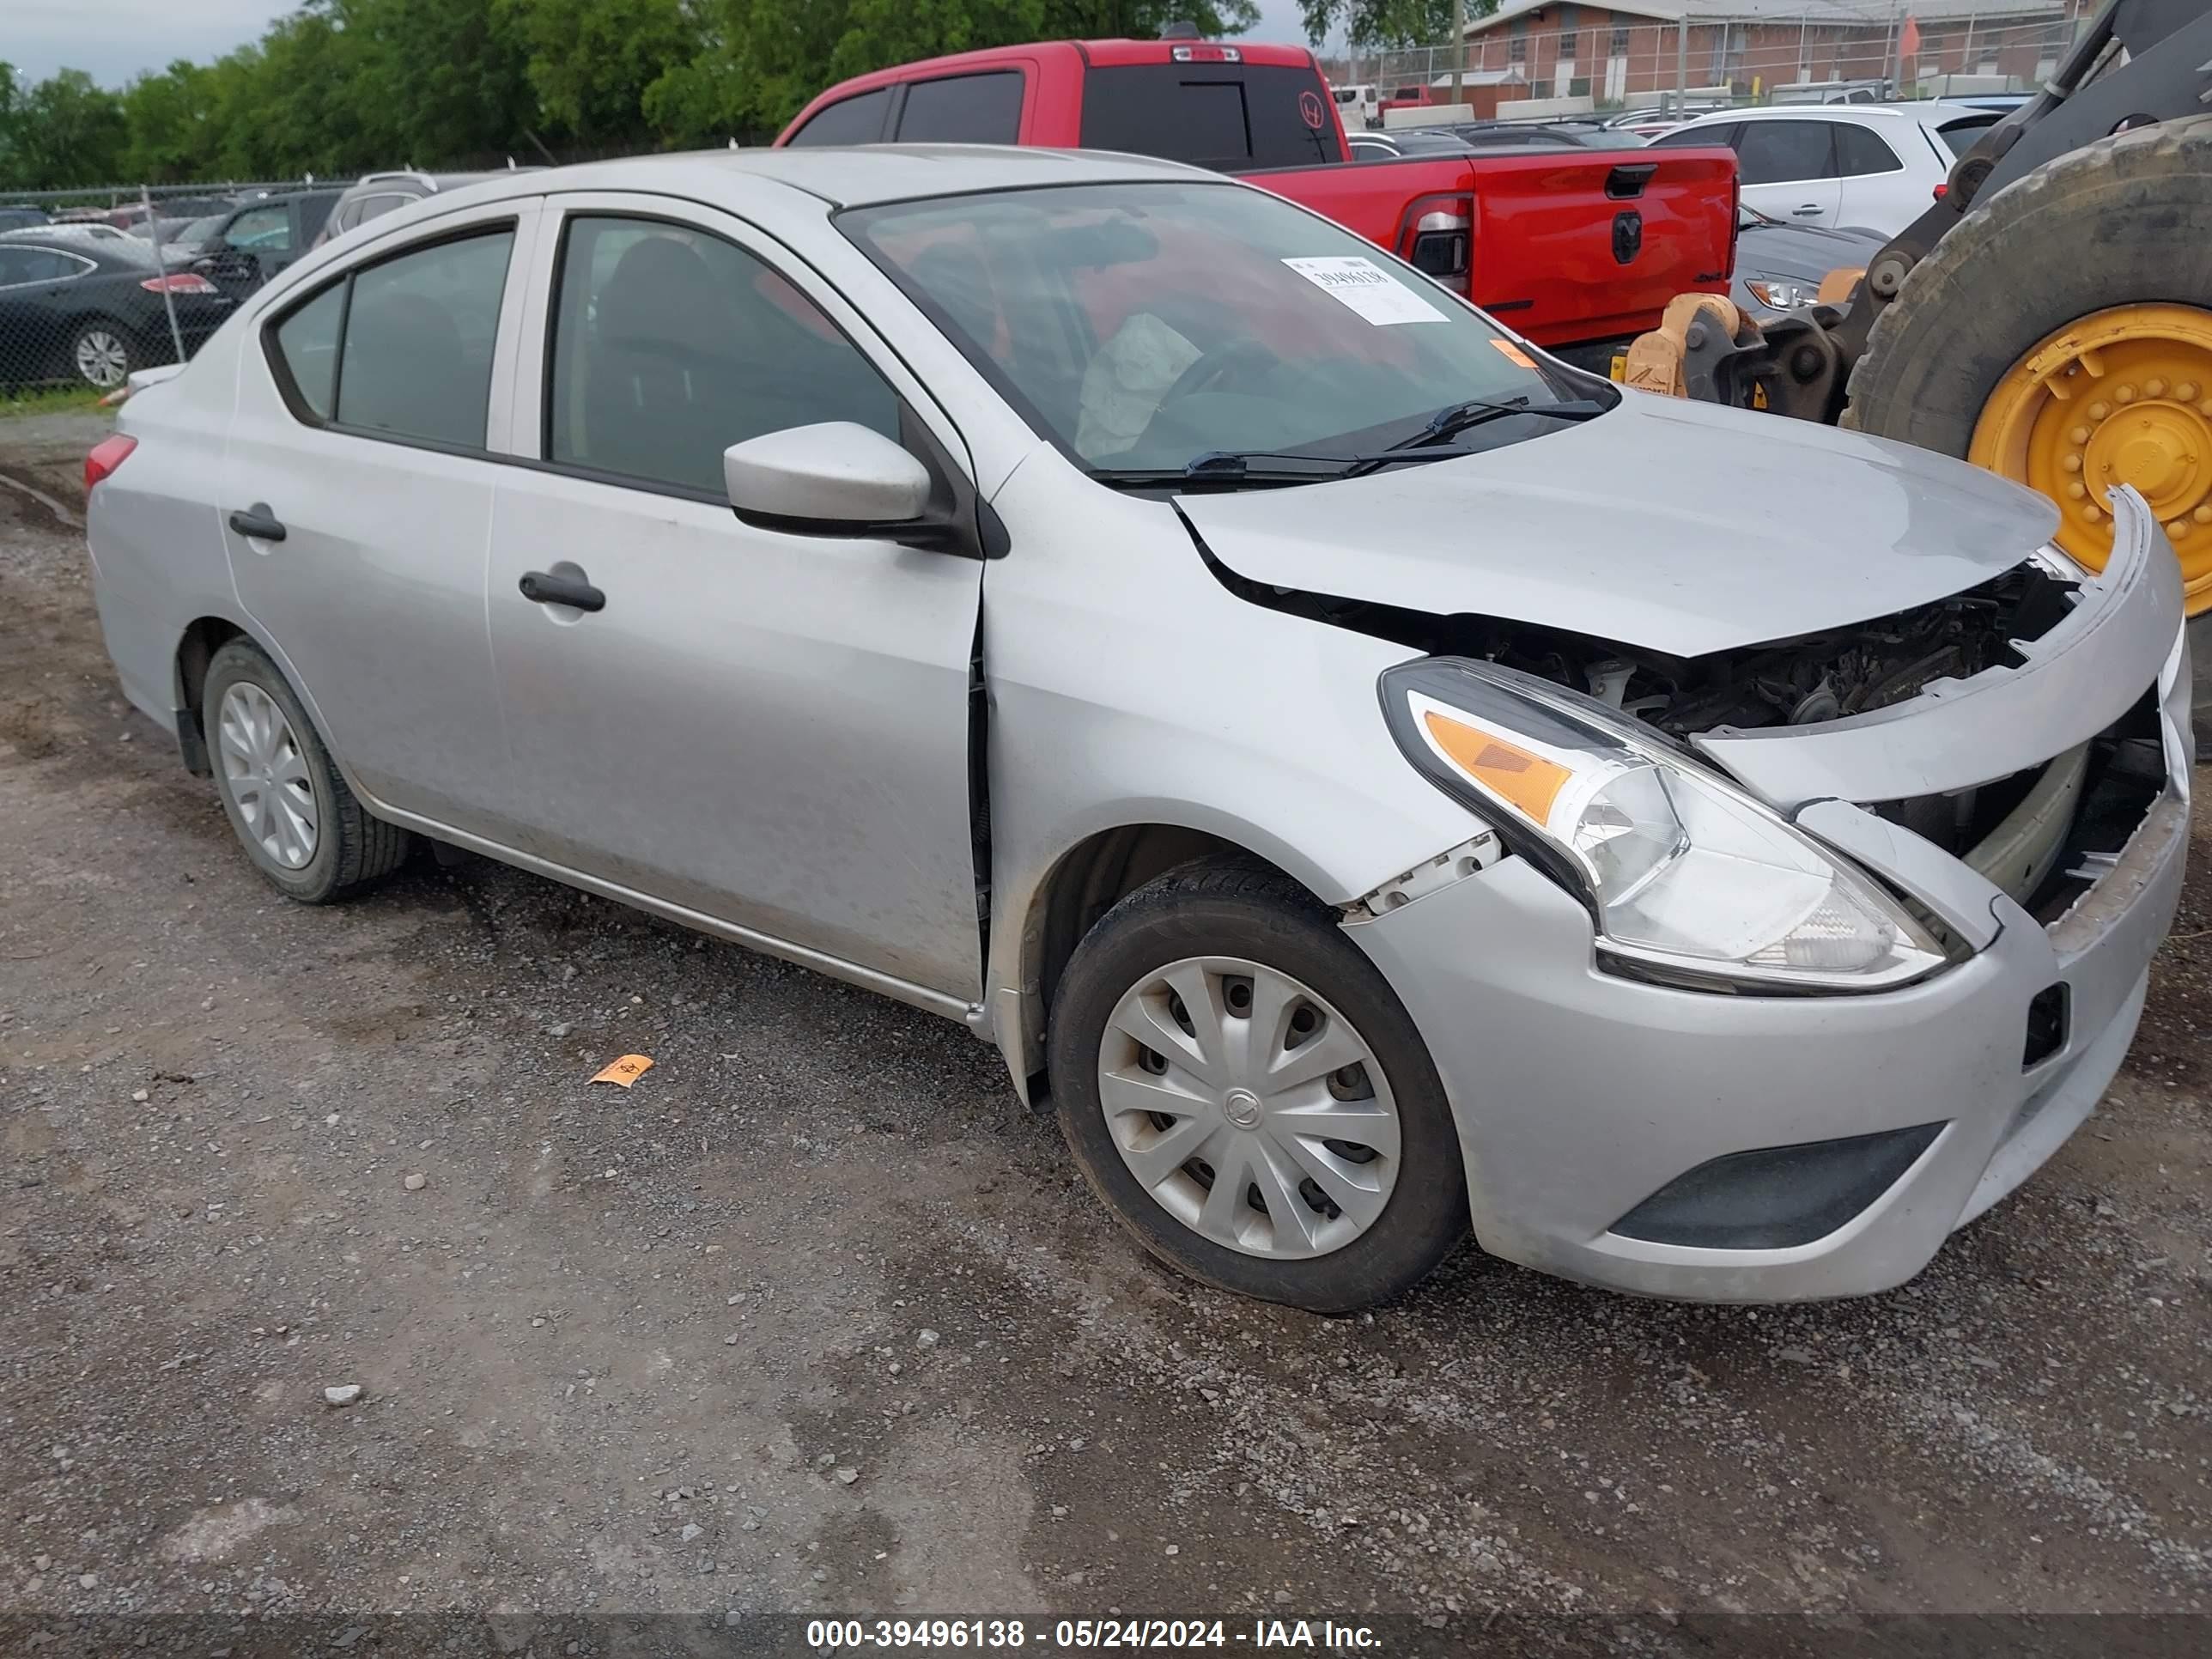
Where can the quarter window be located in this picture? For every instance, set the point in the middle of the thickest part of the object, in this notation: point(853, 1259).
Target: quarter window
point(670, 345)
point(307, 341)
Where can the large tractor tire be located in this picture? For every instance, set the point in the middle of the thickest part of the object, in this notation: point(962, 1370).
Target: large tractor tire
point(2061, 334)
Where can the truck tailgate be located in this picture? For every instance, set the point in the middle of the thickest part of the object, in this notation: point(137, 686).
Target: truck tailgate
point(1568, 245)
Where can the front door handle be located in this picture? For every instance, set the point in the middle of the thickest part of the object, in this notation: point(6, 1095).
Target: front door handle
point(258, 523)
point(1810, 210)
point(541, 587)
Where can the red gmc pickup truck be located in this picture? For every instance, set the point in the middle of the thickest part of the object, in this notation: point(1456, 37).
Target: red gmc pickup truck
point(1578, 248)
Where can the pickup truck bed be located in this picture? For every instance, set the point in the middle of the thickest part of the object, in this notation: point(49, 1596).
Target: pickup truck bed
point(1569, 248)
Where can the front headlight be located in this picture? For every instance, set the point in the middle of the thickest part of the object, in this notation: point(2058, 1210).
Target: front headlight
point(1778, 296)
point(1683, 872)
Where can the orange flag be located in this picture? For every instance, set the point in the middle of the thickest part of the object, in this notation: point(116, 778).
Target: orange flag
point(1908, 40)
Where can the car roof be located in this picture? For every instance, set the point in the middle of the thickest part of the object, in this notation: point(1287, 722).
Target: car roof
point(855, 176)
point(108, 255)
point(1926, 111)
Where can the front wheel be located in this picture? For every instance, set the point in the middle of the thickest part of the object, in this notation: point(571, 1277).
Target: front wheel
point(1241, 1087)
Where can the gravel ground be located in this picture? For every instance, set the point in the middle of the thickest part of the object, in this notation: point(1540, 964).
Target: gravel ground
point(816, 1317)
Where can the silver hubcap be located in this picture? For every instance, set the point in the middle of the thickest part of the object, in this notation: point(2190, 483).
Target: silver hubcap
point(1249, 1107)
point(100, 358)
point(267, 776)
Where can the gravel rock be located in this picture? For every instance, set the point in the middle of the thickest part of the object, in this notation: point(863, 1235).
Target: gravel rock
point(343, 1393)
point(416, 1183)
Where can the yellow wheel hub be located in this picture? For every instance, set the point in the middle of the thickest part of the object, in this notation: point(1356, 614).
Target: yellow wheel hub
point(2122, 397)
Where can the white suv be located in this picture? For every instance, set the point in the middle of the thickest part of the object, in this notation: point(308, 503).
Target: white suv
point(1874, 166)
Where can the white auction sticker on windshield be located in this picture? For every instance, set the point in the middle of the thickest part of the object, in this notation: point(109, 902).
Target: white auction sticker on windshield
point(1368, 288)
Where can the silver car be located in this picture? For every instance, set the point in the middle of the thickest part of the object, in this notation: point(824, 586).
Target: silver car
point(1383, 781)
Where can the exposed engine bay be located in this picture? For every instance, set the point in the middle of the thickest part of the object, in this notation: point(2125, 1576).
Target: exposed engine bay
point(2025, 831)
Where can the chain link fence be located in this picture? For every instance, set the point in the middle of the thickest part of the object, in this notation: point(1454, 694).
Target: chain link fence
point(1554, 60)
point(98, 282)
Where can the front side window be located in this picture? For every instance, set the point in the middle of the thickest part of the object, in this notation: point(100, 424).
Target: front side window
point(1785, 152)
point(855, 120)
point(670, 345)
point(1143, 325)
point(963, 109)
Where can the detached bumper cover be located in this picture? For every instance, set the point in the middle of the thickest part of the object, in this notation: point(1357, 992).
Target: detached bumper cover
point(1579, 1096)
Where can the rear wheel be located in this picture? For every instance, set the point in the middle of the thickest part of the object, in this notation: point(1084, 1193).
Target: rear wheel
point(2097, 372)
point(290, 807)
point(1241, 1087)
point(102, 353)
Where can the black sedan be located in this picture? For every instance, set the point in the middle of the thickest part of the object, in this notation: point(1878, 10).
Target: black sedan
point(92, 311)
point(1778, 265)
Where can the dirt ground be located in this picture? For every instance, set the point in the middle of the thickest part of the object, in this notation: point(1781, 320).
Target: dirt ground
point(817, 1318)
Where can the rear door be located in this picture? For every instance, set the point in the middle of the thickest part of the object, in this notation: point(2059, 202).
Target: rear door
point(1787, 169)
point(366, 412)
point(1884, 188)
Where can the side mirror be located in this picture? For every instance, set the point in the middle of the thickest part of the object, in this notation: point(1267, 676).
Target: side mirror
point(835, 479)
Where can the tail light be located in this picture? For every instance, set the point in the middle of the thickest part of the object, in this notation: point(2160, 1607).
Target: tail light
point(1442, 246)
point(107, 454)
point(1942, 189)
point(179, 281)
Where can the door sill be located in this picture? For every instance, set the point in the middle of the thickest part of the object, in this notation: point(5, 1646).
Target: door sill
point(890, 985)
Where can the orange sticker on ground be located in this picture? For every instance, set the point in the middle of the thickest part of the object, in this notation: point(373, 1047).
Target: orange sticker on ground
point(625, 1070)
point(1513, 354)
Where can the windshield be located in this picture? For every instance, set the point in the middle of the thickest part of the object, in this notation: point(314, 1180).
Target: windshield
point(1146, 325)
point(201, 230)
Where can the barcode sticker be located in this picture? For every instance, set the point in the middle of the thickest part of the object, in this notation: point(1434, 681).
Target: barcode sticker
point(1367, 288)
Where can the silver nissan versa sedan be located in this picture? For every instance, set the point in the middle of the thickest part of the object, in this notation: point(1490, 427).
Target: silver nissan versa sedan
point(1383, 781)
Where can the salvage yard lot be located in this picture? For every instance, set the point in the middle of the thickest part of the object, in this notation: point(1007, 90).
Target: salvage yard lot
point(818, 1317)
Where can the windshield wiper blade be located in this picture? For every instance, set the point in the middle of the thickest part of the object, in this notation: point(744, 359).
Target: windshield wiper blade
point(1455, 418)
point(1232, 468)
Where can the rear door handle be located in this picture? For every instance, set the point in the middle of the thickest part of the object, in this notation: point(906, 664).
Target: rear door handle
point(1810, 210)
point(541, 587)
point(258, 523)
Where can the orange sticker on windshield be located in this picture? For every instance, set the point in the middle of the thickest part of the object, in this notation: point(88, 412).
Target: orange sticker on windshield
point(625, 1070)
point(1513, 354)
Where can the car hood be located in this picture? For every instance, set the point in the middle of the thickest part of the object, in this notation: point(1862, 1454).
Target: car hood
point(1802, 253)
point(1681, 528)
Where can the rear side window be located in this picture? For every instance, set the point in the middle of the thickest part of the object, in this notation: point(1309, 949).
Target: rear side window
point(416, 361)
point(961, 109)
point(39, 265)
point(1783, 152)
point(1214, 115)
point(1859, 152)
point(375, 207)
point(307, 341)
point(855, 120)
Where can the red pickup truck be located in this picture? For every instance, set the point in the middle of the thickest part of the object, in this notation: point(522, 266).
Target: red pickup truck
point(1570, 248)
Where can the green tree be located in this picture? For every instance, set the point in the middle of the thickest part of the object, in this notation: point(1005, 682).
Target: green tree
point(169, 120)
point(589, 61)
point(1373, 23)
point(64, 132)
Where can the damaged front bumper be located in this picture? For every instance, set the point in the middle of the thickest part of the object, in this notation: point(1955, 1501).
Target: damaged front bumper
point(1705, 1147)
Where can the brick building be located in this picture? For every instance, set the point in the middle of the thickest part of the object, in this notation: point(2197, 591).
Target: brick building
point(1611, 53)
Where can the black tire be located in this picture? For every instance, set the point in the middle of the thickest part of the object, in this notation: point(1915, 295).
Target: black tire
point(353, 848)
point(134, 352)
point(2121, 221)
point(1231, 909)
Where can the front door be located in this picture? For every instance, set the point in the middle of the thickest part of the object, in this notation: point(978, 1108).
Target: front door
point(356, 507)
point(770, 730)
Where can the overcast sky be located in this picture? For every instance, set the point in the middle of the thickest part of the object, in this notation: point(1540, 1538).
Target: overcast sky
point(113, 40)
